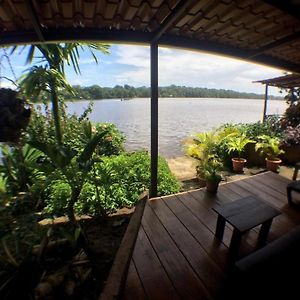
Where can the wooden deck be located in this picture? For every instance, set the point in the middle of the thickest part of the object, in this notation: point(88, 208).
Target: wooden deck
point(176, 255)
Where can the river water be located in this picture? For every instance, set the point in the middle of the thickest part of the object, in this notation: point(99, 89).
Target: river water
point(178, 118)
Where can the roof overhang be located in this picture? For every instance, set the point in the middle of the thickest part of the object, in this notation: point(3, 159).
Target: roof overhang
point(261, 31)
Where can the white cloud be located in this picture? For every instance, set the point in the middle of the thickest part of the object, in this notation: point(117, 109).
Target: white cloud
point(189, 68)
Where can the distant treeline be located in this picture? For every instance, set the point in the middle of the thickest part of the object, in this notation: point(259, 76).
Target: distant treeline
point(127, 91)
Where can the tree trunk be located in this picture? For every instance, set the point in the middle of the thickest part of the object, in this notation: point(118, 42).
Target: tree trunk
point(55, 112)
point(74, 197)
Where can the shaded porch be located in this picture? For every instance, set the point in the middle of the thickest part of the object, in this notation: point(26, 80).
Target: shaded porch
point(176, 254)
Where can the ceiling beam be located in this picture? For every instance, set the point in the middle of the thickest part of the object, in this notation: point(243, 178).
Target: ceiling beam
point(276, 44)
point(171, 18)
point(34, 20)
point(286, 6)
point(136, 37)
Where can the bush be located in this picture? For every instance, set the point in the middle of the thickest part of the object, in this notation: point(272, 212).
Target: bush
point(41, 129)
point(291, 136)
point(271, 127)
point(112, 184)
point(291, 116)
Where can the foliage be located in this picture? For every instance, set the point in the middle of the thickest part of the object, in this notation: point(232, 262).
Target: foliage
point(114, 183)
point(269, 146)
point(76, 131)
point(74, 166)
point(291, 136)
point(21, 169)
point(237, 143)
point(127, 91)
point(291, 116)
point(271, 126)
point(49, 76)
point(212, 168)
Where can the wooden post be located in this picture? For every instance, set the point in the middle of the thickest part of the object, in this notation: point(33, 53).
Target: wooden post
point(154, 117)
point(265, 104)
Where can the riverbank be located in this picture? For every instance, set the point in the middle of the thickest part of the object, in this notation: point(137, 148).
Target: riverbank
point(184, 168)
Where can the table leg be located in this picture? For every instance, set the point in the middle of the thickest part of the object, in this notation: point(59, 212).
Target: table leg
point(220, 227)
point(235, 243)
point(264, 231)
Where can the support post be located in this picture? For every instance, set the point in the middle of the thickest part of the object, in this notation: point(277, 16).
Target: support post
point(154, 117)
point(266, 103)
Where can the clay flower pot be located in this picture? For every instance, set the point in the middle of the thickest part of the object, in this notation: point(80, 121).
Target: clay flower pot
point(212, 186)
point(238, 164)
point(273, 164)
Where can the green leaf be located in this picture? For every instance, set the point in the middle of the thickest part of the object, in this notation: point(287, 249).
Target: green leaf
point(90, 147)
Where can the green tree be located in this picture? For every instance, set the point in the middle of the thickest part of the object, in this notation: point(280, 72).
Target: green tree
point(49, 76)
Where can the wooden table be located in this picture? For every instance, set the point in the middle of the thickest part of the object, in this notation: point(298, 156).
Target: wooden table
point(245, 214)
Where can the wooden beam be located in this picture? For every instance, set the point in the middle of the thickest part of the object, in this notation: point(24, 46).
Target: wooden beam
point(34, 20)
point(286, 6)
point(144, 38)
point(265, 103)
point(154, 117)
point(276, 44)
point(171, 18)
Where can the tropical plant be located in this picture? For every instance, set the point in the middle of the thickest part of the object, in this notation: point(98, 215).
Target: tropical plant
point(114, 183)
point(237, 143)
point(201, 147)
point(74, 166)
point(269, 146)
point(212, 168)
point(50, 76)
point(21, 169)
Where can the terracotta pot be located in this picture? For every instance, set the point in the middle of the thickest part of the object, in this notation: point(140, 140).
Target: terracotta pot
point(273, 165)
point(238, 164)
point(212, 186)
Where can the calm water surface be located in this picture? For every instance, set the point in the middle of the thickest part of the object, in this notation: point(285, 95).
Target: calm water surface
point(178, 118)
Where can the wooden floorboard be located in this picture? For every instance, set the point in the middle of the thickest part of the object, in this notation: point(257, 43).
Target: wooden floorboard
point(177, 256)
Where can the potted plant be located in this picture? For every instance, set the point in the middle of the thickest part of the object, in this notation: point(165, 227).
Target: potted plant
point(201, 147)
point(237, 143)
point(270, 148)
point(211, 169)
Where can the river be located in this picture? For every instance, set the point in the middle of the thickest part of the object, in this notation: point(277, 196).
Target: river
point(178, 118)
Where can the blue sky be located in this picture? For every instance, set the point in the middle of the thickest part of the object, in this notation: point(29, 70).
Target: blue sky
point(129, 64)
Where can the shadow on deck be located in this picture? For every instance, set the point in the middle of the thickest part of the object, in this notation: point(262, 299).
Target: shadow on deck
point(177, 256)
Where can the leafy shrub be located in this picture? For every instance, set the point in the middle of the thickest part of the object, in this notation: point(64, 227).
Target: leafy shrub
point(114, 183)
point(271, 127)
point(75, 131)
point(291, 136)
point(292, 115)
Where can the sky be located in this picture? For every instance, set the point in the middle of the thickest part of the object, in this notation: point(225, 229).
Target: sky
point(130, 64)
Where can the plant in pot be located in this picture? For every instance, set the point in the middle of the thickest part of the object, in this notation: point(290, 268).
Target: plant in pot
point(237, 143)
point(270, 148)
point(201, 147)
point(211, 169)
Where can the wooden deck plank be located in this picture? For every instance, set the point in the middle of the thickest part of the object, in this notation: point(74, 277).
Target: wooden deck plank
point(209, 217)
point(133, 286)
point(158, 284)
point(177, 256)
point(185, 280)
point(214, 248)
point(206, 269)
